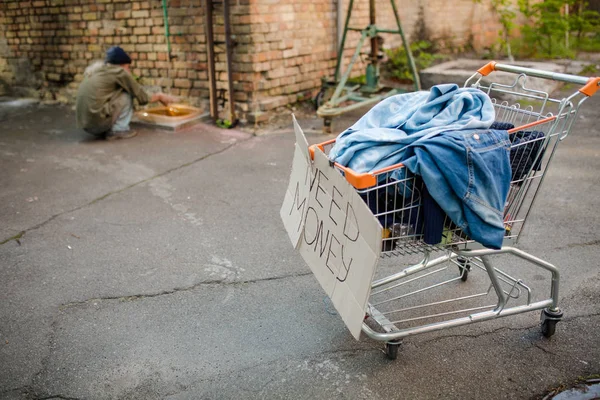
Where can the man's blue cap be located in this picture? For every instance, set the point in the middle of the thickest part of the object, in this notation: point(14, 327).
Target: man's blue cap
point(116, 55)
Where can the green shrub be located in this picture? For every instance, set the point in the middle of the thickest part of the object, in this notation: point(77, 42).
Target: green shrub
point(549, 28)
point(423, 54)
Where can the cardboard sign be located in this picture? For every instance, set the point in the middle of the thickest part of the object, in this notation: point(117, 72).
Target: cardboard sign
point(333, 230)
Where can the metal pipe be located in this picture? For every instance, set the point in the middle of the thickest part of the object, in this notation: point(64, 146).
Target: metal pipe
point(411, 60)
point(340, 54)
point(167, 32)
point(413, 269)
point(210, 55)
point(340, 21)
point(167, 37)
point(372, 22)
point(228, 47)
point(342, 83)
point(495, 282)
point(538, 73)
point(326, 112)
point(526, 256)
point(483, 316)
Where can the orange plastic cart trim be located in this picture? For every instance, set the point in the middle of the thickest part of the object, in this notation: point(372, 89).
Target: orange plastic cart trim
point(358, 180)
point(590, 87)
point(487, 68)
point(531, 124)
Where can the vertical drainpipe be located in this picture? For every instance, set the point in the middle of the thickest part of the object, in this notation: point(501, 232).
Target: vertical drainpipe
point(340, 24)
point(167, 36)
point(229, 46)
point(210, 59)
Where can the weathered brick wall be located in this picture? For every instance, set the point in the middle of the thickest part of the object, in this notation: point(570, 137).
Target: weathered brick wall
point(47, 44)
point(283, 47)
point(295, 40)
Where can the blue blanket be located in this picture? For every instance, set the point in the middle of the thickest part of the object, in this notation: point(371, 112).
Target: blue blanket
point(380, 137)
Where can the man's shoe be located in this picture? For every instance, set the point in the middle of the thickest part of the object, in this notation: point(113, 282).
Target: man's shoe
point(113, 135)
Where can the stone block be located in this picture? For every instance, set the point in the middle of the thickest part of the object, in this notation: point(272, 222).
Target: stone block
point(92, 16)
point(141, 30)
point(140, 14)
point(123, 14)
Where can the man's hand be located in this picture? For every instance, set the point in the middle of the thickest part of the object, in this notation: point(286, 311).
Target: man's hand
point(163, 98)
point(167, 99)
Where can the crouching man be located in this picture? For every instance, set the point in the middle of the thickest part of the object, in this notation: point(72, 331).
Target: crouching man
point(105, 97)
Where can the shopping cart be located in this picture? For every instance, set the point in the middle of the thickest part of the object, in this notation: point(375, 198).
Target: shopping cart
point(423, 297)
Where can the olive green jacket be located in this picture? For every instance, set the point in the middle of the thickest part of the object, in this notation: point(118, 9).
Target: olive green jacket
point(95, 107)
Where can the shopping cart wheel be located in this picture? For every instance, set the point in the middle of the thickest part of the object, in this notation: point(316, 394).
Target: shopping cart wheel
point(549, 320)
point(464, 268)
point(391, 350)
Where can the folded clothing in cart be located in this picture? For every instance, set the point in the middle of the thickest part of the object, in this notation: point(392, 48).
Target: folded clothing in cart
point(404, 213)
point(468, 175)
point(443, 136)
point(527, 148)
point(379, 138)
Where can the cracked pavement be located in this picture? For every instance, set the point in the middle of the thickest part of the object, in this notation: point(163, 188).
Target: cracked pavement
point(158, 268)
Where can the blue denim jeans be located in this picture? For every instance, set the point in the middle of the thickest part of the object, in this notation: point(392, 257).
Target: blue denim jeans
point(122, 109)
point(468, 174)
point(379, 137)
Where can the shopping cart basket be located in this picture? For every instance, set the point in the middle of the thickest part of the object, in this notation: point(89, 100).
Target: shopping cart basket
point(536, 123)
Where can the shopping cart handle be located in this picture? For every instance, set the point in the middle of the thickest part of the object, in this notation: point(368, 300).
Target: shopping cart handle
point(590, 85)
point(358, 180)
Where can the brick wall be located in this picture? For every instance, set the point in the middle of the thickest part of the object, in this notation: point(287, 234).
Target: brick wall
point(283, 47)
point(47, 44)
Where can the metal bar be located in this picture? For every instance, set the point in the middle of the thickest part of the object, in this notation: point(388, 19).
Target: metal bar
point(388, 31)
point(406, 45)
point(373, 22)
point(229, 46)
point(167, 32)
point(537, 189)
point(504, 277)
point(442, 314)
point(332, 112)
point(340, 54)
point(408, 281)
point(437, 303)
point(410, 270)
point(210, 54)
point(168, 39)
point(528, 291)
point(495, 88)
point(342, 83)
point(538, 73)
point(381, 319)
point(526, 256)
point(483, 316)
point(494, 279)
point(574, 112)
point(358, 98)
point(522, 79)
point(418, 291)
point(341, 99)
point(339, 21)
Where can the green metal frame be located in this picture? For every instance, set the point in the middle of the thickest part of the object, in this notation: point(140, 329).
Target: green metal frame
point(363, 95)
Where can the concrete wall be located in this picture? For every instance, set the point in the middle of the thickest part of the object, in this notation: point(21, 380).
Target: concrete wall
point(283, 47)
